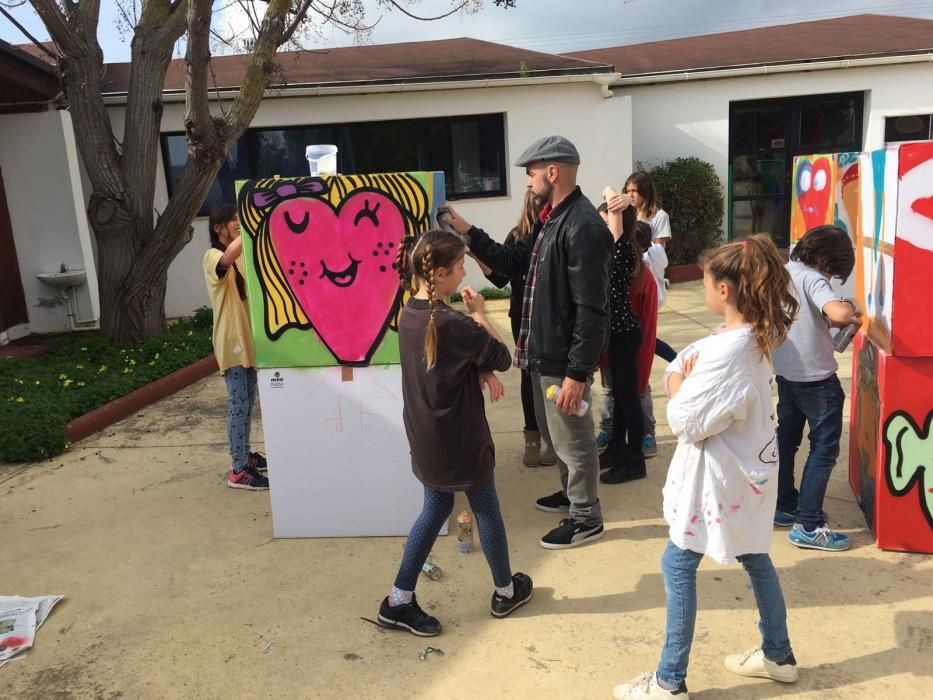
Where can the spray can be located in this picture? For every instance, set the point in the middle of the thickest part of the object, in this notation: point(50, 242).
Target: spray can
point(432, 570)
point(465, 532)
point(553, 393)
point(844, 337)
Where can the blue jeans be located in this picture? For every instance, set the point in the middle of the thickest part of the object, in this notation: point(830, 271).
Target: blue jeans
point(437, 507)
point(818, 404)
point(679, 567)
point(241, 395)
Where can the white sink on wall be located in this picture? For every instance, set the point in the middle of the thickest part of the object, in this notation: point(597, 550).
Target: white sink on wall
point(64, 279)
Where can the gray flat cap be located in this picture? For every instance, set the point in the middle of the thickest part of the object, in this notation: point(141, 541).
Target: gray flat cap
point(555, 149)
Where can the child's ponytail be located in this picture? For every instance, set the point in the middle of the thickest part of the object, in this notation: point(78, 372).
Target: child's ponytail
point(418, 260)
point(430, 335)
point(756, 271)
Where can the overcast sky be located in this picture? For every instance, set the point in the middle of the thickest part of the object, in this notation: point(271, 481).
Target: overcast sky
point(547, 25)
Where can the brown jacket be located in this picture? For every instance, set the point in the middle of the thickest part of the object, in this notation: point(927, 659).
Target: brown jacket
point(445, 416)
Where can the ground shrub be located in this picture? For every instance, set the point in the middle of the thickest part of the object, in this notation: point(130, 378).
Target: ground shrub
point(40, 395)
point(691, 194)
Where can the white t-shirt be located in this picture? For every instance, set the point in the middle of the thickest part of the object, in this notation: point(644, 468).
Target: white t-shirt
point(806, 355)
point(655, 258)
point(660, 225)
point(721, 487)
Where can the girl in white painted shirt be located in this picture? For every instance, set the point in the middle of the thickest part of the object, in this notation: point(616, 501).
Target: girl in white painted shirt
point(721, 487)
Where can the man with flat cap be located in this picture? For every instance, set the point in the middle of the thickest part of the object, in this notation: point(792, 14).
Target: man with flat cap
point(564, 323)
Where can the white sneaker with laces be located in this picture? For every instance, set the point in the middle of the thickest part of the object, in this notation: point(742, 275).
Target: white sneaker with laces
point(754, 664)
point(645, 687)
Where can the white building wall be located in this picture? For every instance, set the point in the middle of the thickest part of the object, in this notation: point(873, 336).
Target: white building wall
point(46, 202)
point(677, 119)
point(600, 128)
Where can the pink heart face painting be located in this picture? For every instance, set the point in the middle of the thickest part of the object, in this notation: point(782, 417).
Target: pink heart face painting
point(339, 264)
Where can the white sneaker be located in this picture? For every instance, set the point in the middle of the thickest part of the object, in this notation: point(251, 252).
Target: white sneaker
point(754, 665)
point(646, 686)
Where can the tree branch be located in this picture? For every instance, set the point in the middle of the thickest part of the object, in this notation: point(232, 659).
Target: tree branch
point(260, 66)
point(57, 25)
point(197, 58)
point(39, 45)
point(401, 9)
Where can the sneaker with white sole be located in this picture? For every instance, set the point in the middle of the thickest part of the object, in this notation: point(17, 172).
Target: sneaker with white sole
point(645, 687)
point(571, 533)
point(649, 446)
point(557, 502)
point(522, 589)
point(602, 441)
point(248, 479)
point(822, 538)
point(408, 617)
point(755, 664)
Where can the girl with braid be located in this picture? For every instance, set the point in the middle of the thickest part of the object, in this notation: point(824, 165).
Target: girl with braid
point(447, 358)
point(723, 479)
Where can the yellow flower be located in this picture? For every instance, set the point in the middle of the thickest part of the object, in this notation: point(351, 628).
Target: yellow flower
point(190, 333)
point(156, 356)
point(80, 383)
point(20, 399)
point(85, 349)
point(63, 376)
point(38, 382)
point(103, 368)
point(67, 383)
point(79, 366)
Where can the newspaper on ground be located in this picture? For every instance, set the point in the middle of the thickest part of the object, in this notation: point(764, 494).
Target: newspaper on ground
point(20, 618)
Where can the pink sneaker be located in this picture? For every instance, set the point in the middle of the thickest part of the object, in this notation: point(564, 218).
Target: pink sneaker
point(248, 479)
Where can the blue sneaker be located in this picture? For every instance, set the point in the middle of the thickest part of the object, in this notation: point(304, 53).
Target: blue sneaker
point(783, 519)
point(602, 441)
point(821, 538)
point(649, 446)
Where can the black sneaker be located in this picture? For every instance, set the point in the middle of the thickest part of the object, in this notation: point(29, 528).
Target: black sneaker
point(409, 617)
point(257, 461)
point(557, 502)
point(571, 533)
point(631, 469)
point(502, 607)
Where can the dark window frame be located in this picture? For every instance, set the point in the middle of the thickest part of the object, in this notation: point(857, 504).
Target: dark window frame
point(342, 132)
point(793, 113)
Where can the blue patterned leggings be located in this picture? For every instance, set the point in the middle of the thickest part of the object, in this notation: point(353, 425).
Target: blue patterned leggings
point(437, 508)
point(241, 395)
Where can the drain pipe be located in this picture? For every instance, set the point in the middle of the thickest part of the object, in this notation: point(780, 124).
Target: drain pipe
point(74, 321)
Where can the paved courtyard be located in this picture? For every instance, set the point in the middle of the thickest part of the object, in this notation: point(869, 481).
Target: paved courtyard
point(175, 587)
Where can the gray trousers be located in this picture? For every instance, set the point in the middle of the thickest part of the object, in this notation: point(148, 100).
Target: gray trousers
point(575, 444)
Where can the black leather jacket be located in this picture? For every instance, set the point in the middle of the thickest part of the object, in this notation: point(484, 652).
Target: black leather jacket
point(570, 317)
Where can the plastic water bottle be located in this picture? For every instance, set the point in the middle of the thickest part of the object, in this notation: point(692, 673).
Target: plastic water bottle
point(553, 393)
point(465, 532)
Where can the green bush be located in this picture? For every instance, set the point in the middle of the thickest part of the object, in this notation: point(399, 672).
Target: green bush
point(691, 194)
point(40, 395)
point(203, 317)
point(487, 292)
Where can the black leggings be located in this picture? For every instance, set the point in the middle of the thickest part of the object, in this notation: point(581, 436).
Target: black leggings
point(528, 403)
point(627, 417)
point(664, 351)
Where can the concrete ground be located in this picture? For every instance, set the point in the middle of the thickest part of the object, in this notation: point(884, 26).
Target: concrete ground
point(175, 587)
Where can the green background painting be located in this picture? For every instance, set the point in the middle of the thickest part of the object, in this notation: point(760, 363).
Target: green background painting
point(288, 344)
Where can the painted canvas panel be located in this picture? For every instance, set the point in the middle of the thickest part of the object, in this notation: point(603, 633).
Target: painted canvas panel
point(320, 255)
point(891, 445)
point(911, 326)
point(826, 188)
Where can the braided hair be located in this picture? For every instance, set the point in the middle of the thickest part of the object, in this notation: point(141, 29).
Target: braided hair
point(418, 259)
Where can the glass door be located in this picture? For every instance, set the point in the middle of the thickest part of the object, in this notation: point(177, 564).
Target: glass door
point(764, 138)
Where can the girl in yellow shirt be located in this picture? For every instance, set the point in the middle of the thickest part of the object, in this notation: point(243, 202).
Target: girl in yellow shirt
point(233, 344)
